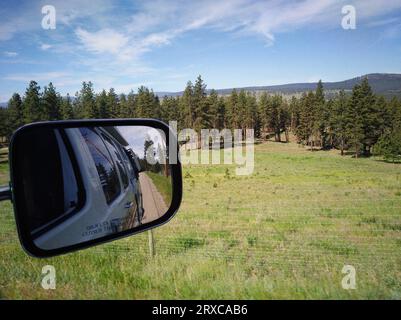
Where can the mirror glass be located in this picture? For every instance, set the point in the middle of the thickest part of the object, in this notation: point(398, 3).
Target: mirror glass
point(85, 183)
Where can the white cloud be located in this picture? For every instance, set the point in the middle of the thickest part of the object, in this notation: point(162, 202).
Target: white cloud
point(44, 76)
point(156, 23)
point(10, 54)
point(102, 41)
point(159, 22)
point(45, 46)
point(268, 18)
point(70, 11)
point(383, 22)
point(104, 30)
point(26, 17)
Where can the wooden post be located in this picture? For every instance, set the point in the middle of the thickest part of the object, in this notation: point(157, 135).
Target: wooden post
point(151, 243)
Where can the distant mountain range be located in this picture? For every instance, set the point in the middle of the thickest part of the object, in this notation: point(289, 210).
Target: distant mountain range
point(387, 84)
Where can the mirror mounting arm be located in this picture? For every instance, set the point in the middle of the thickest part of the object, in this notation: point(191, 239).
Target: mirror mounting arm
point(5, 193)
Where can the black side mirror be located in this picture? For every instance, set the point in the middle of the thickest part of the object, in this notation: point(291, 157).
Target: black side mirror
point(75, 184)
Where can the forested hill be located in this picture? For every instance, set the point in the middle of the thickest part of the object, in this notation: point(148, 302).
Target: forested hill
point(386, 84)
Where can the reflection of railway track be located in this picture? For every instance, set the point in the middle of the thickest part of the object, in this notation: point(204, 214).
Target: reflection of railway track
point(153, 202)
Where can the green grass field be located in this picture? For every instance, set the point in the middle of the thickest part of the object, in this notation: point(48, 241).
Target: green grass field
point(163, 185)
point(284, 232)
point(4, 176)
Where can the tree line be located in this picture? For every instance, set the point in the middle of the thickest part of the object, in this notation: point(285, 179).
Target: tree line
point(359, 122)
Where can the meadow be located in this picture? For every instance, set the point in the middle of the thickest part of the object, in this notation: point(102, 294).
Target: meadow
point(286, 231)
point(163, 185)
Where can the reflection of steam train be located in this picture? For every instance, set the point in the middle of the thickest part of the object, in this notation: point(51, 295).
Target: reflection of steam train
point(100, 187)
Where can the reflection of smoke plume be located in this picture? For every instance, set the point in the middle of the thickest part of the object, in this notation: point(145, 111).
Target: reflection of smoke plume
point(149, 151)
point(155, 157)
point(161, 153)
point(154, 154)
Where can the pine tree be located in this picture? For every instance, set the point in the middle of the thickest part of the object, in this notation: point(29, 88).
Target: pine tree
point(222, 114)
point(293, 108)
point(233, 116)
point(142, 102)
point(50, 103)
point(396, 122)
point(389, 145)
point(175, 113)
point(394, 111)
point(371, 117)
point(363, 122)
point(382, 115)
point(87, 101)
point(263, 109)
point(273, 116)
point(14, 114)
point(320, 115)
point(338, 120)
point(202, 118)
point(241, 109)
point(217, 110)
point(169, 109)
point(251, 116)
point(156, 105)
point(67, 112)
point(102, 105)
point(131, 108)
point(164, 108)
point(284, 119)
point(390, 114)
point(186, 106)
point(31, 107)
point(354, 120)
point(123, 110)
point(147, 104)
point(306, 126)
point(113, 106)
point(77, 106)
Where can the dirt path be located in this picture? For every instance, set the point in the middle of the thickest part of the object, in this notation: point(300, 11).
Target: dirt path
point(153, 202)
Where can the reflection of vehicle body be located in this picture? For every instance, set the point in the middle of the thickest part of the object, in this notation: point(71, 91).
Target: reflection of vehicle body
point(134, 163)
point(95, 160)
point(134, 159)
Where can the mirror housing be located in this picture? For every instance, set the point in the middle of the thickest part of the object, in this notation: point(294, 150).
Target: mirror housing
point(18, 182)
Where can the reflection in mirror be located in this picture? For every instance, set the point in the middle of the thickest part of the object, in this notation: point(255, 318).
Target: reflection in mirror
point(85, 183)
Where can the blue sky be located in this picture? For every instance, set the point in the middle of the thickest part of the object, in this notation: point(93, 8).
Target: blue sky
point(163, 44)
